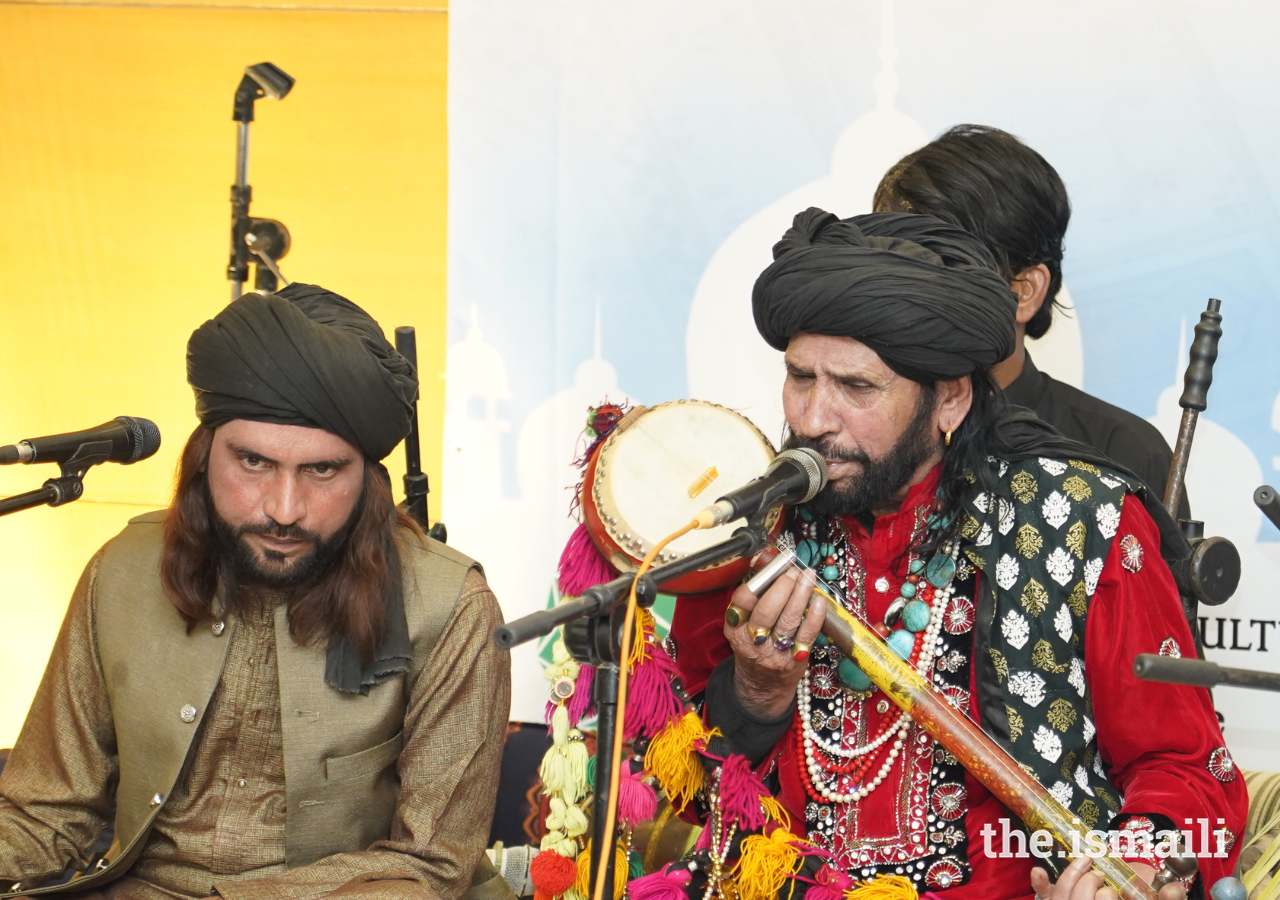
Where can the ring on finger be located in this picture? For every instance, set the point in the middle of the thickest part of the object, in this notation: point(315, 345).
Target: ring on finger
point(800, 650)
point(783, 644)
point(759, 635)
point(735, 616)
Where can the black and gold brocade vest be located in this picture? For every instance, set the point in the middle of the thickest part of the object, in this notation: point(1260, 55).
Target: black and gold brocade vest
point(1040, 540)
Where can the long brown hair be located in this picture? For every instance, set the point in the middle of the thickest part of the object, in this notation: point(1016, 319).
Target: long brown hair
point(346, 600)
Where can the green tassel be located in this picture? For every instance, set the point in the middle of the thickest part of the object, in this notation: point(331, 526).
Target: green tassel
point(636, 867)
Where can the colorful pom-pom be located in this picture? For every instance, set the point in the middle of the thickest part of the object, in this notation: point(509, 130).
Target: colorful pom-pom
point(665, 885)
point(637, 801)
point(884, 887)
point(581, 565)
point(766, 863)
point(673, 758)
point(552, 874)
point(740, 793)
point(831, 884)
point(651, 700)
point(582, 882)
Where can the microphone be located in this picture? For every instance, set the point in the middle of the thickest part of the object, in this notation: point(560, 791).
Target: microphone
point(794, 476)
point(124, 440)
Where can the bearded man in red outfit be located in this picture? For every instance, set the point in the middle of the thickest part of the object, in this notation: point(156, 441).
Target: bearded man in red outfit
point(1017, 571)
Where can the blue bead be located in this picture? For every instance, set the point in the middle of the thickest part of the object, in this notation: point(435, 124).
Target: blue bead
point(916, 566)
point(830, 573)
point(854, 677)
point(807, 552)
point(940, 571)
point(915, 617)
point(826, 550)
point(805, 514)
point(902, 642)
point(821, 641)
point(907, 590)
point(1228, 889)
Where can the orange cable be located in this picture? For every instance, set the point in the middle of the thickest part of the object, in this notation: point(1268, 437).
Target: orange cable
point(615, 764)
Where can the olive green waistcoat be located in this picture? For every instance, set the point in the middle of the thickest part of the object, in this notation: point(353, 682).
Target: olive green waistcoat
point(339, 749)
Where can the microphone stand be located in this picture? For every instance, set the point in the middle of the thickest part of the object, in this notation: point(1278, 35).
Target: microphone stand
point(593, 635)
point(1211, 573)
point(265, 238)
point(65, 488)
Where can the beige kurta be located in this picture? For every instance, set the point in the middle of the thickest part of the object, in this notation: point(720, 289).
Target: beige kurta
point(223, 826)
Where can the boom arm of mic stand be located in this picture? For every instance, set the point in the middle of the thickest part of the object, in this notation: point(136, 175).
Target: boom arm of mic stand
point(600, 600)
point(1201, 673)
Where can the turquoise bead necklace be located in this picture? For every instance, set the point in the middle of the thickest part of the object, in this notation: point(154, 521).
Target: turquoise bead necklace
point(838, 562)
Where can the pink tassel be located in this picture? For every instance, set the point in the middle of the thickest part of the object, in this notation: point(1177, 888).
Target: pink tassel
point(830, 884)
point(581, 702)
point(637, 801)
point(651, 701)
point(740, 793)
point(581, 565)
point(664, 885)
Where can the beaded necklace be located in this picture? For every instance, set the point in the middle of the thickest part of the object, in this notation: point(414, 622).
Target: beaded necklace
point(833, 771)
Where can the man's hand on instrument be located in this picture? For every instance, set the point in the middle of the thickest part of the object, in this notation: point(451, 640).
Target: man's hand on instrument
point(771, 641)
point(1080, 882)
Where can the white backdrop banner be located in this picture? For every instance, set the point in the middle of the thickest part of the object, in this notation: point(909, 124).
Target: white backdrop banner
point(619, 172)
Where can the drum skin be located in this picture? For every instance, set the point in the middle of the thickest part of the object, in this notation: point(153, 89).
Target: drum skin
point(610, 543)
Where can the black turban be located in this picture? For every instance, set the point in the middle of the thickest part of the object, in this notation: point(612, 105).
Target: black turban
point(923, 294)
point(303, 356)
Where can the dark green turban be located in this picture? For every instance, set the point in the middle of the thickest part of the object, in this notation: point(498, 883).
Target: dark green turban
point(303, 356)
point(923, 294)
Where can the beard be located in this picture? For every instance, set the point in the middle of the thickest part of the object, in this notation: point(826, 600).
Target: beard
point(880, 478)
point(275, 571)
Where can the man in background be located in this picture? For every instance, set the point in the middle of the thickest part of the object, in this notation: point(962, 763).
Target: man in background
point(997, 188)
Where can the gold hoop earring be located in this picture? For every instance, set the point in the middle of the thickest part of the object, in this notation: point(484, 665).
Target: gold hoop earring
point(947, 439)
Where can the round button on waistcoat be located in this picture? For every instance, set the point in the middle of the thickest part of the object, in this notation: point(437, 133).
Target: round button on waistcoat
point(187, 713)
point(219, 627)
point(242, 783)
point(157, 799)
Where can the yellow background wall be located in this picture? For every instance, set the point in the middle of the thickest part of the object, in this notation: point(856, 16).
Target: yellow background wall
point(116, 158)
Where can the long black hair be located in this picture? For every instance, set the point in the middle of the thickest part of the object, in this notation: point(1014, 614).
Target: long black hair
point(995, 187)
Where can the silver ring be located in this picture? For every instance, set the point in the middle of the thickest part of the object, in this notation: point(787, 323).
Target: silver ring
point(783, 644)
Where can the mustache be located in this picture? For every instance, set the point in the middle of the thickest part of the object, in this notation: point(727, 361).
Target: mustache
point(828, 448)
point(272, 528)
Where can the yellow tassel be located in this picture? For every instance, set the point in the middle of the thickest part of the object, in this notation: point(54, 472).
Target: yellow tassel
point(765, 863)
point(884, 887)
point(639, 645)
point(775, 811)
point(672, 758)
point(583, 885)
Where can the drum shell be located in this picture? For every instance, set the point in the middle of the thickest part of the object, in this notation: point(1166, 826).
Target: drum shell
point(701, 581)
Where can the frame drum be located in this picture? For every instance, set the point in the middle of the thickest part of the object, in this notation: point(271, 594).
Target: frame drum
point(660, 467)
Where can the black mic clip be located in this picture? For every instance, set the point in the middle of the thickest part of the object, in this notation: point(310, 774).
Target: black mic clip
point(68, 486)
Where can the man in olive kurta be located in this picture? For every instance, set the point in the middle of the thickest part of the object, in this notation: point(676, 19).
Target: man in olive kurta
point(278, 688)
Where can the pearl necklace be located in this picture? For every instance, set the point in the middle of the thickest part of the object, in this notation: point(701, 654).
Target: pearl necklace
point(813, 742)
